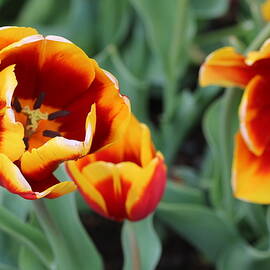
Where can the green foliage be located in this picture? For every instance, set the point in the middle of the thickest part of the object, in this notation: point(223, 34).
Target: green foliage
point(154, 48)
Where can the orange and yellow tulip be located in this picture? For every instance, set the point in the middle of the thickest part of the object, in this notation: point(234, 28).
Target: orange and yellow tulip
point(226, 67)
point(125, 180)
point(56, 104)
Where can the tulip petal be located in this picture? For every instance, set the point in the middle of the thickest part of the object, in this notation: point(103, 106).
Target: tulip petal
point(113, 112)
point(265, 10)
point(87, 189)
point(225, 67)
point(147, 186)
point(254, 113)
point(251, 174)
point(12, 179)
point(39, 163)
point(10, 34)
point(11, 132)
point(258, 58)
point(51, 65)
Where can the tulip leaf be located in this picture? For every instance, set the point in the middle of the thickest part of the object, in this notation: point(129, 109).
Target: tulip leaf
point(29, 262)
point(209, 9)
point(113, 21)
point(78, 251)
point(25, 233)
point(7, 267)
point(169, 25)
point(180, 193)
point(242, 256)
point(204, 228)
point(141, 245)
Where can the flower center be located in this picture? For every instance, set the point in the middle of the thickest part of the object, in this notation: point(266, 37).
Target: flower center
point(33, 118)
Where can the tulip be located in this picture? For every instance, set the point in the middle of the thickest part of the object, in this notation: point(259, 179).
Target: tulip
point(56, 104)
point(125, 180)
point(226, 67)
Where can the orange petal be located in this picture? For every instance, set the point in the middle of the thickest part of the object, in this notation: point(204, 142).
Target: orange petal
point(52, 65)
point(265, 10)
point(147, 186)
point(11, 132)
point(12, 179)
point(254, 115)
point(87, 189)
point(102, 187)
point(10, 34)
point(135, 146)
point(113, 111)
point(251, 174)
point(259, 60)
point(225, 67)
point(39, 163)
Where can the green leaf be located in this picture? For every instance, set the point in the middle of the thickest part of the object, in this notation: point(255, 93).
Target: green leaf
point(71, 244)
point(113, 21)
point(242, 256)
point(141, 245)
point(204, 228)
point(25, 233)
point(180, 193)
point(169, 25)
point(29, 262)
point(209, 9)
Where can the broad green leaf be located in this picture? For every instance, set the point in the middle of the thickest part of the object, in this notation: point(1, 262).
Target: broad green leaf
point(27, 261)
point(181, 193)
point(113, 21)
point(72, 245)
point(240, 255)
point(209, 9)
point(26, 234)
point(7, 267)
point(201, 226)
point(141, 245)
point(169, 25)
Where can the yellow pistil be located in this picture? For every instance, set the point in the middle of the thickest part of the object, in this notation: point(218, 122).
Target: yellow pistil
point(33, 118)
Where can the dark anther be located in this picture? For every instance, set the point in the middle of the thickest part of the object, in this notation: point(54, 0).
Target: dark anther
point(17, 105)
point(26, 142)
point(39, 101)
point(57, 114)
point(50, 133)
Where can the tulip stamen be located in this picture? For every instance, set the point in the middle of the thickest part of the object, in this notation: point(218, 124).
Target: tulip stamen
point(57, 114)
point(17, 105)
point(50, 133)
point(39, 101)
point(33, 118)
point(26, 142)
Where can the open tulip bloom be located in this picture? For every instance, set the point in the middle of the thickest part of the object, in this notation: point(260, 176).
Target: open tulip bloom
point(56, 104)
point(125, 180)
point(226, 67)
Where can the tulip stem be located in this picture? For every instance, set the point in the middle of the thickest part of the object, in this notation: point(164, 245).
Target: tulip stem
point(54, 235)
point(133, 247)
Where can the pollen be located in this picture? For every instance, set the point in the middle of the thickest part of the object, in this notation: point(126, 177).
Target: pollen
point(33, 118)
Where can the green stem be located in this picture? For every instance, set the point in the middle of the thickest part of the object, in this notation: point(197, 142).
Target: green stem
point(63, 258)
point(135, 254)
point(217, 35)
point(27, 234)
